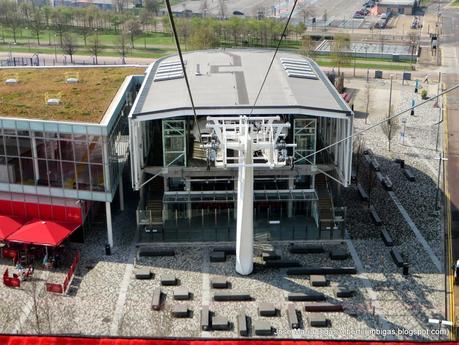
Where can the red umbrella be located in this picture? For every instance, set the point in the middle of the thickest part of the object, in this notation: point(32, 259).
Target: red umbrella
point(45, 233)
point(9, 224)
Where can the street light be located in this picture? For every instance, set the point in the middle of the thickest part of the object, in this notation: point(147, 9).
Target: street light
point(441, 159)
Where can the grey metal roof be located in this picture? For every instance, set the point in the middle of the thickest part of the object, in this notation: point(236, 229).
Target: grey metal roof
point(230, 80)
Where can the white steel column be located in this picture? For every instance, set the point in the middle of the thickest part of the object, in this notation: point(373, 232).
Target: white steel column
point(244, 228)
point(35, 158)
point(188, 205)
point(108, 213)
point(291, 186)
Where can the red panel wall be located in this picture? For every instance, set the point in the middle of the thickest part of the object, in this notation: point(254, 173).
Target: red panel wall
point(43, 211)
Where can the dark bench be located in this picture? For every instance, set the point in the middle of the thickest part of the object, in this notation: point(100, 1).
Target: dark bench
point(281, 264)
point(262, 327)
point(226, 250)
point(375, 216)
point(323, 307)
point(318, 320)
point(146, 251)
point(180, 311)
point(345, 293)
point(270, 256)
point(363, 194)
point(409, 175)
point(397, 257)
point(318, 280)
point(229, 297)
point(321, 270)
point(375, 165)
point(339, 253)
point(181, 294)
point(217, 256)
point(292, 316)
point(156, 300)
point(387, 183)
point(219, 283)
point(267, 309)
point(306, 249)
point(242, 324)
point(303, 297)
point(387, 238)
point(168, 280)
point(143, 273)
point(220, 323)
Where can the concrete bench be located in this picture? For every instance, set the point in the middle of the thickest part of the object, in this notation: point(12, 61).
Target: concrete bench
point(318, 280)
point(345, 293)
point(205, 318)
point(270, 256)
point(339, 253)
point(387, 238)
point(143, 273)
point(397, 257)
point(146, 251)
point(387, 183)
point(303, 297)
point(156, 300)
point(281, 264)
point(306, 249)
point(226, 250)
point(230, 297)
point(292, 316)
point(242, 324)
point(323, 307)
point(409, 175)
point(168, 280)
point(267, 309)
point(217, 256)
point(318, 320)
point(220, 323)
point(219, 283)
point(180, 311)
point(321, 270)
point(181, 294)
point(262, 327)
point(375, 216)
point(363, 194)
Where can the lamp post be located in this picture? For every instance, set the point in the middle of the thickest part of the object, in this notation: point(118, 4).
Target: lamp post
point(441, 159)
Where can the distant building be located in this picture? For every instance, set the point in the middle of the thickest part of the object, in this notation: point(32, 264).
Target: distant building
point(398, 6)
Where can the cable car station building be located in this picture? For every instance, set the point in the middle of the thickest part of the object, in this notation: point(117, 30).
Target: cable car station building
point(189, 168)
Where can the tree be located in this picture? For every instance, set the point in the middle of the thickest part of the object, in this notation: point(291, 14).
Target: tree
point(152, 6)
point(95, 46)
point(184, 29)
point(340, 48)
point(203, 36)
point(308, 46)
point(69, 46)
point(133, 28)
point(13, 18)
point(390, 128)
point(37, 21)
point(121, 43)
point(222, 10)
point(59, 22)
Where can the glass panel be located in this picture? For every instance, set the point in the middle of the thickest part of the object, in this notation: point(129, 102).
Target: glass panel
point(25, 147)
point(95, 150)
point(66, 150)
point(14, 170)
point(11, 146)
point(81, 151)
point(27, 171)
point(55, 176)
point(2, 146)
point(42, 173)
point(83, 176)
point(52, 149)
point(97, 177)
point(68, 172)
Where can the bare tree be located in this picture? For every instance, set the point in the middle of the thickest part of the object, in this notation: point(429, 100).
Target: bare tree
point(134, 29)
point(222, 10)
point(390, 128)
point(340, 50)
point(37, 23)
point(95, 46)
point(122, 42)
point(308, 46)
point(69, 45)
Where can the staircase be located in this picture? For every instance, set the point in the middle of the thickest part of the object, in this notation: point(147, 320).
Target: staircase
point(154, 203)
point(326, 216)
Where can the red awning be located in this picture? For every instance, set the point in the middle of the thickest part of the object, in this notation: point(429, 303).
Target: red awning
point(9, 224)
point(46, 233)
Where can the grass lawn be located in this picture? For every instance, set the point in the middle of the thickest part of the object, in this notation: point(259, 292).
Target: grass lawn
point(455, 3)
point(85, 101)
point(367, 64)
